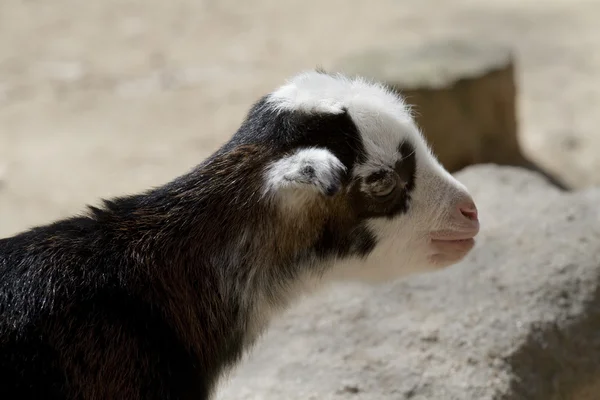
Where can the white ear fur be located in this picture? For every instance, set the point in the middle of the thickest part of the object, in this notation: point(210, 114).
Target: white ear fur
point(309, 171)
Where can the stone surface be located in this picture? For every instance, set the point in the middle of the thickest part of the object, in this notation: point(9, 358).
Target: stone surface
point(518, 319)
point(463, 93)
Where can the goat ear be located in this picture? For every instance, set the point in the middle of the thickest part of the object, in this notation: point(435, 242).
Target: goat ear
point(312, 169)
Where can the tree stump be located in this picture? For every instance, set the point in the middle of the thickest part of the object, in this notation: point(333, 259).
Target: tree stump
point(463, 95)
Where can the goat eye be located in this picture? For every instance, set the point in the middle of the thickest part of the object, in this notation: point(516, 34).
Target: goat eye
point(382, 185)
point(384, 189)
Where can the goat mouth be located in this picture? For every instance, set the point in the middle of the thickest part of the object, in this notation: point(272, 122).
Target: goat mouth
point(453, 242)
point(455, 237)
point(457, 241)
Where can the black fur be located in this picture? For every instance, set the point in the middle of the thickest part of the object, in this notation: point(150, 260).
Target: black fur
point(136, 299)
point(289, 130)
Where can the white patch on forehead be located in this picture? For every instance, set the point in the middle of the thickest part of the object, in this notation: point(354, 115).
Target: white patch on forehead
point(318, 92)
point(381, 116)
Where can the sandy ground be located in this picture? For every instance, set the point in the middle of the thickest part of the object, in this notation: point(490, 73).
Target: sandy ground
point(104, 98)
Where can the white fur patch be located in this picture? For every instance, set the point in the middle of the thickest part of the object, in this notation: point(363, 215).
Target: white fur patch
point(318, 92)
point(312, 170)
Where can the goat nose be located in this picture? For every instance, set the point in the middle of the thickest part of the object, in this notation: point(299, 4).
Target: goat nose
point(466, 215)
point(468, 210)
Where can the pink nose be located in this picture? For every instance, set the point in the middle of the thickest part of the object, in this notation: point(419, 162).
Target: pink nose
point(466, 216)
point(468, 210)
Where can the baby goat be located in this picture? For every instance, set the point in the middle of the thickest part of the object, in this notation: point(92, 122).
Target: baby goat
point(155, 295)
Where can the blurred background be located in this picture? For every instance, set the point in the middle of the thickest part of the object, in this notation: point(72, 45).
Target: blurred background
point(104, 98)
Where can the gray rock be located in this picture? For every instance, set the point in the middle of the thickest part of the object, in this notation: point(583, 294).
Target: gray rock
point(518, 319)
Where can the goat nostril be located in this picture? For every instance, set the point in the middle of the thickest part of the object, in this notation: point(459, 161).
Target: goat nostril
point(469, 211)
